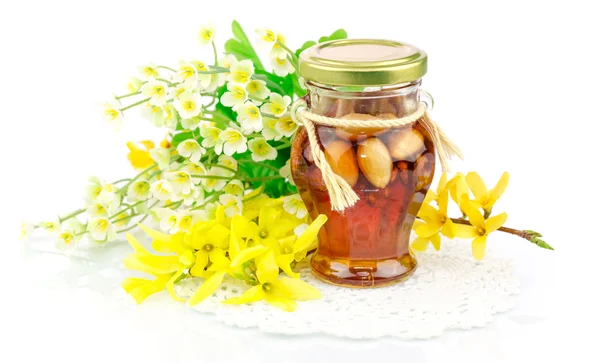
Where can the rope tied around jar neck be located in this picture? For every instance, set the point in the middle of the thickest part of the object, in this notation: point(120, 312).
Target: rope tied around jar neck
point(341, 194)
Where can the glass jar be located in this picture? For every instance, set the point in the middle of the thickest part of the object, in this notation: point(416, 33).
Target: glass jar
point(390, 169)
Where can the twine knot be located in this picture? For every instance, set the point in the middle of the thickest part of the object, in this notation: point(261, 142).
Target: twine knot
point(341, 194)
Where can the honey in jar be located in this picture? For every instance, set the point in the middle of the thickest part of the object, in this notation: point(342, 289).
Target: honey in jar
point(390, 169)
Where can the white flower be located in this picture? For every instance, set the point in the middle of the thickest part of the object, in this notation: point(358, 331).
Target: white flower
point(269, 131)
point(191, 149)
point(229, 162)
point(227, 61)
point(157, 91)
point(293, 204)
point(139, 190)
point(188, 218)
point(235, 97)
point(277, 105)
point(110, 198)
point(261, 150)
point(134, 85)
point(154, 114)
point(195, 169)
point(188, 104)
point(249, 117)
point(52, 227)
point(176, 91)
point(97, 210)
point(204, 79)
point(210, 136)
point(102, 230)
point(240, 72)
point(25, 230)
point(193, 122)
point(235, 187)
point(277, 50)
point(265, 38)
point(299, 230)
point(207, 34)
point(282, 66)
point(149, 72)
point(161, 189)
point(210, 210)
point(286, 126)
point(195, 195)
point(216, 81)
point(233, 141)
point(67, 241)
point(161, 156)
point(181, 182)
point(98, 191)
point(286, 172)
point(112, 114)
point(258, 89)
point(167, 219)
point(121, 219)
point(233, 204)
point(211, 184)
point(187, 75)
point(170, 116)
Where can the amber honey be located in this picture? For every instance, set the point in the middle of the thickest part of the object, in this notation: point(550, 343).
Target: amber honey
point(390, 170)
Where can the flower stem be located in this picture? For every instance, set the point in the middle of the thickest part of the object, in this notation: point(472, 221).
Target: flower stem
point(135, 104)
point(257, 163)
point(167, 68)
point(69, 216)
point(214, 47)
point(128, 95)
point(121, 180)
point(531, 236)
point(222, 167)
point(283, 146)
point(257, 99)
point(126, 209)
point(124, 187)
point(208, 200)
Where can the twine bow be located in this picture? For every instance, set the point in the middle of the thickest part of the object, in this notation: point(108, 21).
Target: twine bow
point(341, 194)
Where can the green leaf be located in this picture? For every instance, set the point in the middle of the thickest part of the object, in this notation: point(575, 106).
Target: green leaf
point(338, 34)
point(180, 137)
point(241, 47)
point(282, 85)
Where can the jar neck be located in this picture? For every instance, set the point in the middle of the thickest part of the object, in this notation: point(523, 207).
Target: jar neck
point(398, 100)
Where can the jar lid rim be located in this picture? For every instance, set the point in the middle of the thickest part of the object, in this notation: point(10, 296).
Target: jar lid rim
point(362, 62)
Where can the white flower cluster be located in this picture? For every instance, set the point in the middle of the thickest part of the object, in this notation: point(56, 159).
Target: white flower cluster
point(187, 182)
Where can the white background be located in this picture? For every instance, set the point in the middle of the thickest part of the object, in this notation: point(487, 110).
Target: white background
point(515, 84)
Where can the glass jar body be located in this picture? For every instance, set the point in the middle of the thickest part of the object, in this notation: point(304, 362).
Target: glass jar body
point(390, 170)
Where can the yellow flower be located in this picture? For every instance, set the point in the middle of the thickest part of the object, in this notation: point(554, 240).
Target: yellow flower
point(293, 249)
point(441, 187)
point(485, 198)
point(209, 239)
point(436, 220)
point(238, 253)
point(279, 292)
point(166, 268)
point(480, 228)
point(139, 154)
point(459, 189)
point(271, 227)
point(140, 288)
point(421, 243)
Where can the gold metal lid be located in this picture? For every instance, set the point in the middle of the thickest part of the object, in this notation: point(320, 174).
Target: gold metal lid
point(362, 62)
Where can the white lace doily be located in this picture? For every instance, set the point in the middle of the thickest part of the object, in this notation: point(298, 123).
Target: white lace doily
point(449, 290)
